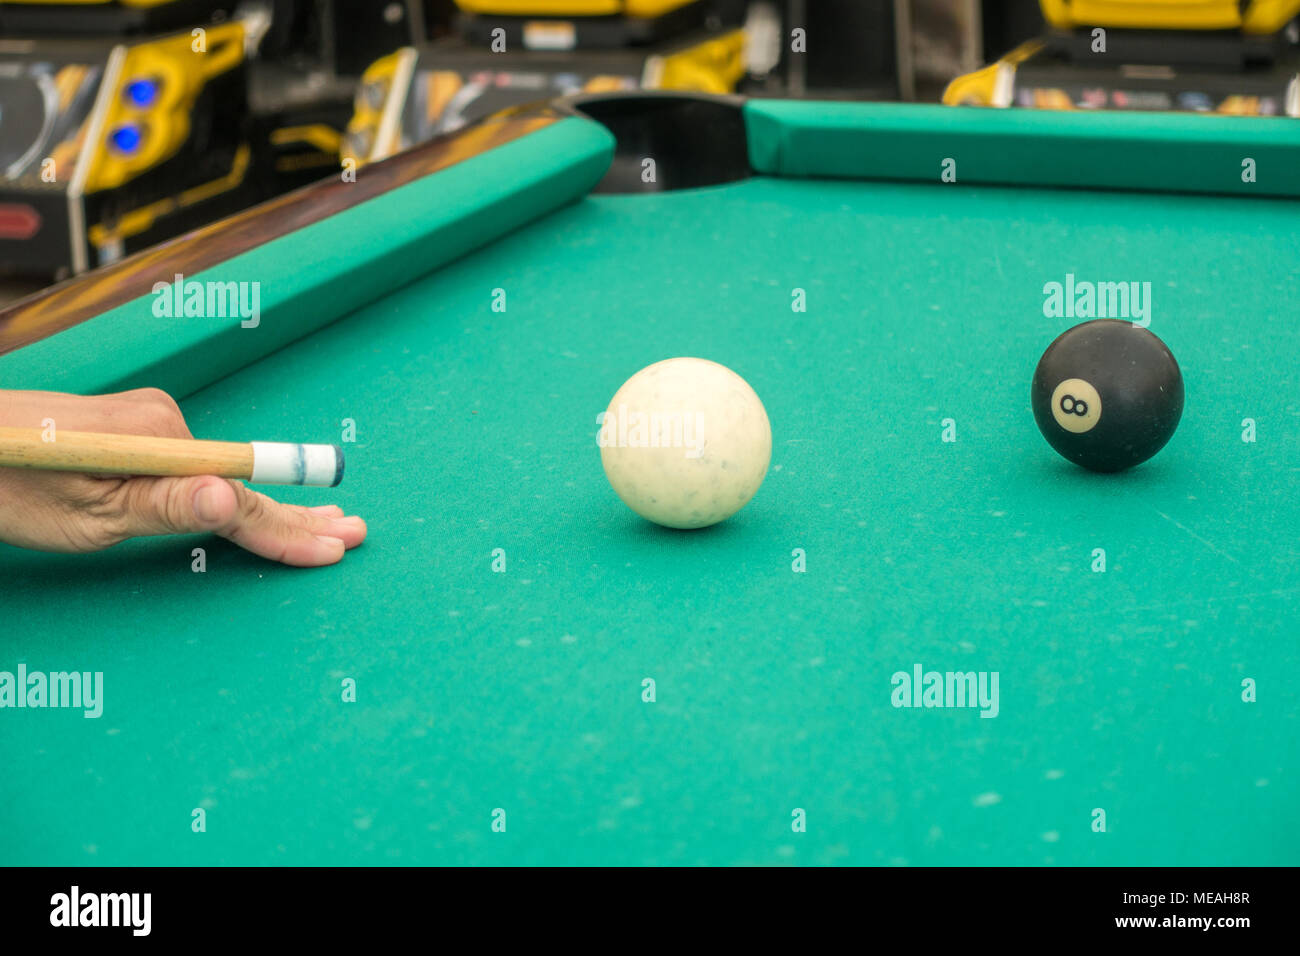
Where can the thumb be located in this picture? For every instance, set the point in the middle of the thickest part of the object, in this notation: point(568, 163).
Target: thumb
point(179, 505)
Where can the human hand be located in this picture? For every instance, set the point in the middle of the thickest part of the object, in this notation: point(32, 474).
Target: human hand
point(66, 511)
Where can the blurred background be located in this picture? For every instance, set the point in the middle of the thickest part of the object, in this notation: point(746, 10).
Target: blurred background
point(124, 123)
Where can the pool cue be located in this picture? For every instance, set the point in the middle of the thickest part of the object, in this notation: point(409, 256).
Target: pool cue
point(97, 453)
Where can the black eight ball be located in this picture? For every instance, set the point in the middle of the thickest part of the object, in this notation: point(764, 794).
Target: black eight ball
point(1107, 394)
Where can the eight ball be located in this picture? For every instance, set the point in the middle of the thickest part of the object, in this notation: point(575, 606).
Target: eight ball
point(1107, 394)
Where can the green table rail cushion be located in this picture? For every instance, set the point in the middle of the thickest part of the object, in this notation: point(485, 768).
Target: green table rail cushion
point(1168, 152)
point(315, 275)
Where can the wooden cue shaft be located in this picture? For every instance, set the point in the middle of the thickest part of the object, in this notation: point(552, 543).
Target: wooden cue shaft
point(99, 453)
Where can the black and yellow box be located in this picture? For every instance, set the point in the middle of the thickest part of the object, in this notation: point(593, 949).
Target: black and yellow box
point(109, 145)
point(416, 94)
point(1235, 58)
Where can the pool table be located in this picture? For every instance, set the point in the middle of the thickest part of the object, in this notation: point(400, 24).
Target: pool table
point(541, 676)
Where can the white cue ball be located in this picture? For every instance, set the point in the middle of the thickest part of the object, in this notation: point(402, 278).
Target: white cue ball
point(685, 443)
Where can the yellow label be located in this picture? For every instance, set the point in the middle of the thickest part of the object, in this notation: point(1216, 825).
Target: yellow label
point(550, 35)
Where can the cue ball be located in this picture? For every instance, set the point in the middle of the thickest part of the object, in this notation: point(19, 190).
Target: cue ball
point(1107, 394)
point(685, 443)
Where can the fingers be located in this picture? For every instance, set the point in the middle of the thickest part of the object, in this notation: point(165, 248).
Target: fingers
point(302, 537)
point(177, 505)
point(141, 411)
point(146, 411)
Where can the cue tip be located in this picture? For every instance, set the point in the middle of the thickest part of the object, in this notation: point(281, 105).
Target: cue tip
point(338, 465)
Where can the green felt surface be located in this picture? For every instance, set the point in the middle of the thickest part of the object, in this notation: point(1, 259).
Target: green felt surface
point(522, 690)
point(1174, 152)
